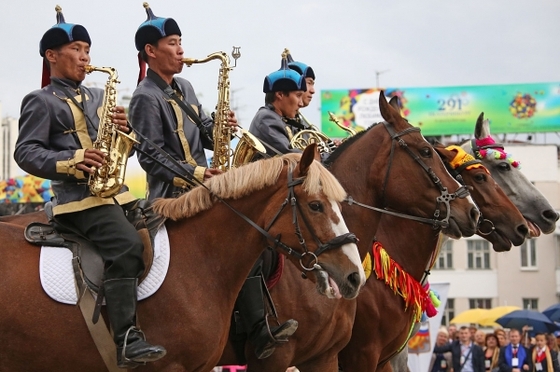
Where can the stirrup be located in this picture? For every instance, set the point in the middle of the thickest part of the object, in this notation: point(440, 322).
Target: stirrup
point(126, 362)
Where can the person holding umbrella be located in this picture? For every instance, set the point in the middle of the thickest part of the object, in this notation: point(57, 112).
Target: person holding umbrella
point(514, 357)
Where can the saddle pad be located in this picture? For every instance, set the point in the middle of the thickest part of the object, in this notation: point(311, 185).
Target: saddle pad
point(57, 275)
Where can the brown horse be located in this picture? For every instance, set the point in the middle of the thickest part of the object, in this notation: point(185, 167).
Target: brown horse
point(190, 313)
point(375, 168)
point(375, 339)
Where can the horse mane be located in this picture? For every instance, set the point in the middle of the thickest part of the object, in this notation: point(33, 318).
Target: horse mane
point(239, 182)
point(343, 146)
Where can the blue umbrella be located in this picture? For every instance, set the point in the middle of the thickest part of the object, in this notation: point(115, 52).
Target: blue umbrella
point(553, 312)
point(519, 318)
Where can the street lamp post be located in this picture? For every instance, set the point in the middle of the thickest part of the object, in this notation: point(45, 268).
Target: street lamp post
point(377, 73)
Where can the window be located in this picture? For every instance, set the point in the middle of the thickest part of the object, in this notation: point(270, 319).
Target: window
point(531, 303)
point(480, 303)
point(449, 312)
point(529, 254)
point(445, 258)
point(478, 254)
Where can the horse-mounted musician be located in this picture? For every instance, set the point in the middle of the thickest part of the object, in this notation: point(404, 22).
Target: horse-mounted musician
point(57, 129)
point(284, 90)
point(162, 119)
point(281, 126)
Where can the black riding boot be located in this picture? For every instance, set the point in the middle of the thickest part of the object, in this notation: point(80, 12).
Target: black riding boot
point(132, 348)
point(251, 306)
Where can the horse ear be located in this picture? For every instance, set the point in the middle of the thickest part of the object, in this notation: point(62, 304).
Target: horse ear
point(386, 109)
point(394, 102)
point(307, 158)
point(482, 128)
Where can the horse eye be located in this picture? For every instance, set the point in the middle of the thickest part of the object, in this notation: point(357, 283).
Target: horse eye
point(504, 166)
point(426, 152)
point(481, 177)
point(316, 206)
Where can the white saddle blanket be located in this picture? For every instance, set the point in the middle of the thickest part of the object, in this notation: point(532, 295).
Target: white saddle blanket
point(57, 275)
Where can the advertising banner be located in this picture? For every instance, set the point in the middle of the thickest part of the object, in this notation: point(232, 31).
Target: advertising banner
point(514, 108)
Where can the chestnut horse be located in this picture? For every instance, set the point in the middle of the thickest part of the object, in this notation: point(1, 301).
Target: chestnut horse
point(212, 252)
point(412, 245)
point(538, 213)
point(375, 168)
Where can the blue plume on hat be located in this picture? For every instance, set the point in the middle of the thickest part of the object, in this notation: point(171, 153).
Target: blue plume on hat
point(154, 28)
point(62, 33)
point(303, 69)
point(284, 80)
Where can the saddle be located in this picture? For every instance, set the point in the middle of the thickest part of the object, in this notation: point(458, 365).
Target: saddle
point(87, 263)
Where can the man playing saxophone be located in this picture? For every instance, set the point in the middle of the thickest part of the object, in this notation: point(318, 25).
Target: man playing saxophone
point(161, 119)
point(159, 42)
point(57, 128)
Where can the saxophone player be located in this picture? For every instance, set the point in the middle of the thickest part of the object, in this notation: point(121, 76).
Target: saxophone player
point(163, 120)
point(57, 127)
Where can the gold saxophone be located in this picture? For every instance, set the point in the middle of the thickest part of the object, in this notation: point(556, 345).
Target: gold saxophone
point(222, 133)
point(107, 180)
point(313, 135)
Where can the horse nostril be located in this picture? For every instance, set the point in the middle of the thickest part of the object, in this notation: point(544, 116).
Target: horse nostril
point(354, 279)
point(523, 230)
point(550, 214)
point(475, 214)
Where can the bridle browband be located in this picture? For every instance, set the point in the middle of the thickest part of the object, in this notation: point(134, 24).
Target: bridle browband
point(444, 198)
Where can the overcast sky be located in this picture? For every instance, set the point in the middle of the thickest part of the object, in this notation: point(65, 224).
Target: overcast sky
point(413, 43)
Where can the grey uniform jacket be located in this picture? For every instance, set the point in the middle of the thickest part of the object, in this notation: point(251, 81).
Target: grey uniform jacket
point(269, 127)
point(162, 120)
point(53, 136)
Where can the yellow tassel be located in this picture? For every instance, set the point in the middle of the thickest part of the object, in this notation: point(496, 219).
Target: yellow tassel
point(367, 265)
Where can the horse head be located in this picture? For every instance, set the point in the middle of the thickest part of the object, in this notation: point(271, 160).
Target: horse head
point(414, 180)
point(334, 263)
point(501, 222)
point(538, 212)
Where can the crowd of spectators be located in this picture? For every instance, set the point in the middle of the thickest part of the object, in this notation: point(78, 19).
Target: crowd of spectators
point(469, 349)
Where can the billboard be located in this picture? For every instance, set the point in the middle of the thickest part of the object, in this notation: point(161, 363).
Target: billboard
point(514, 108)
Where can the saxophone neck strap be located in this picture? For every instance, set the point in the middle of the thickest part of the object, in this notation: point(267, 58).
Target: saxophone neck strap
point(166, 88)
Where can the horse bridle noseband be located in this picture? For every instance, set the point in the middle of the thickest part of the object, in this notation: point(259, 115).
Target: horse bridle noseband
point(444, 198)
point(313, 264)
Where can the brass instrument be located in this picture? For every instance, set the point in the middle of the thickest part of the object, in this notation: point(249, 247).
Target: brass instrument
point(222, 132)
point(307, 136)
point(335, 120)
point(107, 180)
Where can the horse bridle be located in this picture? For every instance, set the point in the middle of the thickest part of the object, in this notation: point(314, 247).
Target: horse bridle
point(456, 173)
point(335, 242)
point(444, 198)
